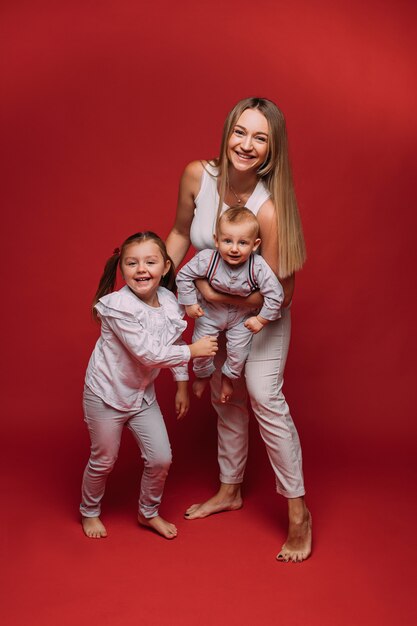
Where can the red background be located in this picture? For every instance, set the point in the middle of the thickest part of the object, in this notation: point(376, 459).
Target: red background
point(103, 104)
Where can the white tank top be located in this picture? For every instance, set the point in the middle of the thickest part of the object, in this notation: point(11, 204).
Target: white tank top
point(206, 204)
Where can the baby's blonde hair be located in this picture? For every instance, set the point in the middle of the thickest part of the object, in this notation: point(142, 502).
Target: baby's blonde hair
point(238, 215)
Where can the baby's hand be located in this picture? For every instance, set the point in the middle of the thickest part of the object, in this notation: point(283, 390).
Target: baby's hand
point(255, 324)
point(194, 311)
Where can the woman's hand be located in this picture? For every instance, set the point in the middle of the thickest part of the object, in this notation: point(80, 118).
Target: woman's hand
point(253, 301)
point(182, 399)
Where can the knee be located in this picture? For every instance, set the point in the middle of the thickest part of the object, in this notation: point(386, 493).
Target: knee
point(103, 463)
point(159, 462)
point(267, 396)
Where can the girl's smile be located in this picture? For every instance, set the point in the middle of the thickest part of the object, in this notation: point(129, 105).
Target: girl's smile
point(143, 267)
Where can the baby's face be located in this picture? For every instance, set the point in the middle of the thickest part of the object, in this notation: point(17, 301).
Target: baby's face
point(236, 242)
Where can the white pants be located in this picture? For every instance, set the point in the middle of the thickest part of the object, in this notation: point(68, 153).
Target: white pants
point(230, 319)
point(105, 425)
point(264, 374)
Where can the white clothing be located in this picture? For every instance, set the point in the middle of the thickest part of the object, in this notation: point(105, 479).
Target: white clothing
point(105, 425)
point(203, 225)
point(240, 280)
point(264, 373)
point(136, 341)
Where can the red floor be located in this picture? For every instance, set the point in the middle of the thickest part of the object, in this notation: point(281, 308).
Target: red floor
point(220, 570)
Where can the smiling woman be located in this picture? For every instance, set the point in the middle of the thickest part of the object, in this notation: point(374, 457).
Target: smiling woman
point(253, 169)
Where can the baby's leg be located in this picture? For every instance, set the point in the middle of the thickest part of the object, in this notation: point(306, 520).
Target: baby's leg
point(238, 343)
point(203, 367)
point(148, 428)
point(105, 426)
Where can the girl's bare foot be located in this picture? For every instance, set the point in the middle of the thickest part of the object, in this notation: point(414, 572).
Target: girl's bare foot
point(228, 498)
point(226, 390)
point(199, 385)
point(159, 525)
point(297, 548)
point(93, 527)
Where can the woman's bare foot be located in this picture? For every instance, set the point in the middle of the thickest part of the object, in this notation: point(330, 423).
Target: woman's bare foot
point(297, 548)
point(159, 525)
point(93, 527)
point(228, 498)
point(199, 385)
point(226, 390)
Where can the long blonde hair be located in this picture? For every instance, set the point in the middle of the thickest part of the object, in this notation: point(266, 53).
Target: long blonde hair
point(276, 174)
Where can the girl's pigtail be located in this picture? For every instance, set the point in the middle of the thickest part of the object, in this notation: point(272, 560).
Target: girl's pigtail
point(108, 280)
point(168, 281)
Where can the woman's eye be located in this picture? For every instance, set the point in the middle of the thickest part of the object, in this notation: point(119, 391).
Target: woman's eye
point(238, 132)
point(261, 139)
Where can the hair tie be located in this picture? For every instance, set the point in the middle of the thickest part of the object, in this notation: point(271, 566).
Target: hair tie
point(116, 251)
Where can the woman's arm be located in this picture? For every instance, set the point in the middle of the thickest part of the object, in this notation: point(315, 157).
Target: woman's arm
point(269, 247)
point(178, 240)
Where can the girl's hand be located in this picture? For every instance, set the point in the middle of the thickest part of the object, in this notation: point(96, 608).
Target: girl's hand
point(182, 399)
point(206, 346)
point(194, 311)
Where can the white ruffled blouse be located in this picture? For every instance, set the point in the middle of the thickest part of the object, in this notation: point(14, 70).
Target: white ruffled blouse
point(136, 341)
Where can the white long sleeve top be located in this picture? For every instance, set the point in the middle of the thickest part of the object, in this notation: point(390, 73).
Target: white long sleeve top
point(136, 340)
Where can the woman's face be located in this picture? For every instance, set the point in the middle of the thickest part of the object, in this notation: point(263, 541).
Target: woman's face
point(248, 144)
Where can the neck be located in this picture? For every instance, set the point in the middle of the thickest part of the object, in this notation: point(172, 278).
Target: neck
point(242, 182)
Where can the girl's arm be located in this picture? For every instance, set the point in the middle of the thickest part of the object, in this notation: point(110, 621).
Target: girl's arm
point(182, 399)
point(178, 240)
point(146, 349)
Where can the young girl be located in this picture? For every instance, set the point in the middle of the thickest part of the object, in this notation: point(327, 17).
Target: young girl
point(141, 327)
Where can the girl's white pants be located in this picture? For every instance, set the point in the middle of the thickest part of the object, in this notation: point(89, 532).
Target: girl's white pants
point(264, 375)
point(105, 425)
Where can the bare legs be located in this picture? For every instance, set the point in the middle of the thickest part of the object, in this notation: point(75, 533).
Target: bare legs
point(93, 527)
point(228, 498)
point(159, 525)
point(226, 390)
point(297, 548)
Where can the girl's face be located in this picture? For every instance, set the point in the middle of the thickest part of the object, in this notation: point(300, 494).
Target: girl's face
point(247, 147)
point(142, 268)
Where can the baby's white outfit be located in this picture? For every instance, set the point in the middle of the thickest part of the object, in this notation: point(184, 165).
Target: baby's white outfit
point(240, 280)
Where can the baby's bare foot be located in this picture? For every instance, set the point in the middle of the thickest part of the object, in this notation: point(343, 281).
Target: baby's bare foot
point(297, 548)
point(226, 390)
point(159, 525)
point(93, 527)
point(199, 385)
point(228, 498)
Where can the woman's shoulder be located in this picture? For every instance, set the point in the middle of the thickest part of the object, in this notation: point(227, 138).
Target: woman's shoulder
point(195, 169)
